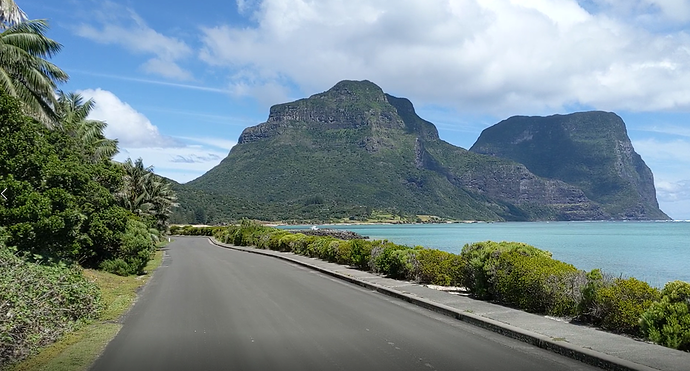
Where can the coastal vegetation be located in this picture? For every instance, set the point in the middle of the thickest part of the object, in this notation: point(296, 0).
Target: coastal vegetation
point(67, 205)
point(509, 273)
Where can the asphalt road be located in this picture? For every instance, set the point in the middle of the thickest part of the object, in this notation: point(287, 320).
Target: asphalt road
point(210, 308)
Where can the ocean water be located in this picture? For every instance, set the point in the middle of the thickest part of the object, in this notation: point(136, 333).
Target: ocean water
point(656, 252)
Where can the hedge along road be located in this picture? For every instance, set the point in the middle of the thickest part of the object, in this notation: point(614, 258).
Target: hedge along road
point(210, 308)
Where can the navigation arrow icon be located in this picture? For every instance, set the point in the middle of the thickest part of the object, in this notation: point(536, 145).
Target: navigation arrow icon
point(3, 193)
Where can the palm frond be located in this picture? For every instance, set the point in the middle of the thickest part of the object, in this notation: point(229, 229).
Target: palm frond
point(10, 13)
point(24, 72)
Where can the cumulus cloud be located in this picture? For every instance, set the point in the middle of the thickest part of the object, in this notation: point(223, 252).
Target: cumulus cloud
point(674, 191)
point(131, 128)
point(500, 56)
point(674, 198)
point(126, 28)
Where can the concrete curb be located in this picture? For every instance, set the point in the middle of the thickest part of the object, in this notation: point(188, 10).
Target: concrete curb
point(588, 356)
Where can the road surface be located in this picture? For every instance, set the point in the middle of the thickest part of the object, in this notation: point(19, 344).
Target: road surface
point(211, 308)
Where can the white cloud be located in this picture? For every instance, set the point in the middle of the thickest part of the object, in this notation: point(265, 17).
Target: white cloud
point(180, 164)
point(181, 159)
point(674, 191)
point(674, 198)
point(213, 142)
point(498, 56)
point(669, 129)
point(125, 28)
point(672, 152)
point(165, 68)
point(131, 128)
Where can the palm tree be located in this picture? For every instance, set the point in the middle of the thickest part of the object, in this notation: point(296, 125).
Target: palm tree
point(145, 193)
point(10, 14)
point(24, 71)
point(134, 195)
point(162, 199)
point(72, 112)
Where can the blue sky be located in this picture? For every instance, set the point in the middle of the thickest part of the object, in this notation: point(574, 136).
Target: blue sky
point(178, 81)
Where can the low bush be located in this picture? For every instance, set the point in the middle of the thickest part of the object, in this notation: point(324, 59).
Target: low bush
point(382, 260)
point(360, 253)
point(403, 264)
point(619, 306)
point(438, 267)
point(40, 303)
point(136, 248)
point(535, 283)
point(479, 259)
point(667, 321)
point(188, 230)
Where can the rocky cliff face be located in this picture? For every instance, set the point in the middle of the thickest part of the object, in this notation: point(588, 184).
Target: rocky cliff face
point(588, 150)
point(355, 148)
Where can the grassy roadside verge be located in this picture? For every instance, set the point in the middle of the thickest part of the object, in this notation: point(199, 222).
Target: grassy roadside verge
point(79, 349)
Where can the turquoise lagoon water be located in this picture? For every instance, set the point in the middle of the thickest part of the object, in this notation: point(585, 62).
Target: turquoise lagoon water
point(656, 252)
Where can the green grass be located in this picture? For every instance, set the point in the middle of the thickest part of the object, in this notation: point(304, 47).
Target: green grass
point(79, 349)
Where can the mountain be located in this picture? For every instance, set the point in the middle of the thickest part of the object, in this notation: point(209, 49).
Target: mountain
point(589, 150)
point(353, 150)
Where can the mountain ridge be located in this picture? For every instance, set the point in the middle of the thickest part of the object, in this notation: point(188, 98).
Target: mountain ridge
point(353, 149)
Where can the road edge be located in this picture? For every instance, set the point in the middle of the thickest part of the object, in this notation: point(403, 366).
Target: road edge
point(588, 356)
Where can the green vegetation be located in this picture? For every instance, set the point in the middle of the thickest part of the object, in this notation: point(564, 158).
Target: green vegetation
point(356, 153)
point(590, 150)
point(508, 273)
point(667, 321)
point(77, 350)
point(350, 153)
point(522, 276)
point(40, 303)
point(69, 205)
point(63, 207)
point(618, 305)
point(24, 71)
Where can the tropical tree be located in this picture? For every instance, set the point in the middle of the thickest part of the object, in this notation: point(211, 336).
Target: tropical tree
point(162, 199)
point(24, 71)
point(72, 112)
point(10, 14)
point(145, 193)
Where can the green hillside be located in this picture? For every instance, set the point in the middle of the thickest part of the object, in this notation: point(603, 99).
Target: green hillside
point(354, 150)
point(590, 150)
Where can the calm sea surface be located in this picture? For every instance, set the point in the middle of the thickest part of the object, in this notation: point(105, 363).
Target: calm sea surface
point(656, 252)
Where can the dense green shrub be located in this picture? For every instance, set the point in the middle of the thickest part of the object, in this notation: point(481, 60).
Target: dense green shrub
point(383, 261)
point(667, 321)
point(535, 283)
point(595, 280)
point(479, 261)
point(39, 303)
point(136, 249)
point(320, 248)
point(271, 239)
point(245, 234)
point(619, 306)
point(403, 263)
point(360, 253)
point(438, 267)
point(188, 230)
point(61, 205)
